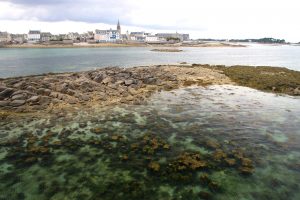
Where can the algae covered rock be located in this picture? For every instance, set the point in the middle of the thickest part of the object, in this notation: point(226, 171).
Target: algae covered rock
point(154, 166)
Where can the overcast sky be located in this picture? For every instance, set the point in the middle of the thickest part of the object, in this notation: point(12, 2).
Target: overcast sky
point(201, 18)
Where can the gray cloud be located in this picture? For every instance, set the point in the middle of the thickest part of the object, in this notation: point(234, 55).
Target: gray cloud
point(92, 11)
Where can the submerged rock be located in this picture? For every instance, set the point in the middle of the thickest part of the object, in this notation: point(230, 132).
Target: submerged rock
point(154, 166)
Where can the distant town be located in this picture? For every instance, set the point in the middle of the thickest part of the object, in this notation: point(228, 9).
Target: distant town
point(96, 36)
point(116, 36)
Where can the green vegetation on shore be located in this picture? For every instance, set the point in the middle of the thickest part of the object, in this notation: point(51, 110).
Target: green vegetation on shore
point(279, 80)
point(268, 79)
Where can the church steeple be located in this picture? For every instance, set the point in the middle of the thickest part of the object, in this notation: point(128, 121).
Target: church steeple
point(119, 27)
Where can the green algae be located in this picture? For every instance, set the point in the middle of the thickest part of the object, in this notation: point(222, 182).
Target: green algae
point(162, 156)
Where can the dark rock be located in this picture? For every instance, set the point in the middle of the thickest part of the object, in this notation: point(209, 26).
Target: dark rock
point(82, 125)
point(150, 81)
point(6, 93)
point(17, 103)
point(2, 88)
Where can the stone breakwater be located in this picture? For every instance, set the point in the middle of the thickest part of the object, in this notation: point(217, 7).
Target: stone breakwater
point(105, 86)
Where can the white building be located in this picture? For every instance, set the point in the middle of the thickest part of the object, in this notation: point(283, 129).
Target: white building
point(34, 36)
point(73, 36)
point(108, 35)
point(152, 38)
point(138, 36)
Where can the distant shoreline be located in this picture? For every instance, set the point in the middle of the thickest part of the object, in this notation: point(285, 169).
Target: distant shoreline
point(101, 45)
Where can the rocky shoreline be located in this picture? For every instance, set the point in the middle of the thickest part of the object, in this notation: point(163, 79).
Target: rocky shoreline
point(167, 50)
point(109, 86)
point(101, 45)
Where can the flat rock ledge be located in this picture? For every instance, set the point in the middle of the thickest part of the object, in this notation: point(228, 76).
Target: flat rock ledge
point(102, 87)
point(167, 50)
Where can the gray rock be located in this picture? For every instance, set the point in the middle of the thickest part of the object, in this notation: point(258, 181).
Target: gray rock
point(47, 92)
point(99, 78)
point(85, 98)
point(31, 89)
point(150, 81)
point(53, 94)
point(43, 91)
point(72, 101)
point(19, 97)
point(2, 88)
point(18, 92)
point(107, 80)
point(63, 88)
point(34, 99)
point(70, 92)
point(61, 96)
point(128, 82)
point(17, 103)
point(44, 100)
point(4, 103)
point(6, 93)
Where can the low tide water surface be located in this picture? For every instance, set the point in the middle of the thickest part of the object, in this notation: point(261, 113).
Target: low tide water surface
point(216, 142)
point(20, 62)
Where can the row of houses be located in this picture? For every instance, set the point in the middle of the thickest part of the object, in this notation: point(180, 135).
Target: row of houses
point(36, 36)
point(97, 36)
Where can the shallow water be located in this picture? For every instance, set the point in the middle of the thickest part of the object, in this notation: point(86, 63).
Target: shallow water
point(216, 142)
point(20, 62)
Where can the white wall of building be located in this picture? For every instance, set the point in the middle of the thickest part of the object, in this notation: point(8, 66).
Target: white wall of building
point(34, 37)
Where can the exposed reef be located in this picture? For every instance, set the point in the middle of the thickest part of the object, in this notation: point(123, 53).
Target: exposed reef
point(115, 85)
point(101, 87)
point(167, 50)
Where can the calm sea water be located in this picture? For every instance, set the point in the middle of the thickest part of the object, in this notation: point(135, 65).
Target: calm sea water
point(189, 143)
point(18, 62)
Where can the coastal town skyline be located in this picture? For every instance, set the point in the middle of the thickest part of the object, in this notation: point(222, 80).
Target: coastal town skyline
point(231, 19)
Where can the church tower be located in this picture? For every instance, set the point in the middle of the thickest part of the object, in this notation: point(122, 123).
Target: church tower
point(119, 27)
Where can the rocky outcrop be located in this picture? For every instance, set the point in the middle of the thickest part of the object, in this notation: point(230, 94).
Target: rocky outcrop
point(103, 86)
